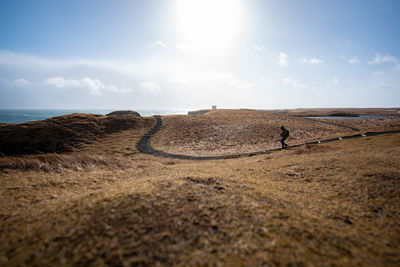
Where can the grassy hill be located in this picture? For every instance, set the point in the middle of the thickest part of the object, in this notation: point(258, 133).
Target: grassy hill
point(326, 204)
point(64, 133)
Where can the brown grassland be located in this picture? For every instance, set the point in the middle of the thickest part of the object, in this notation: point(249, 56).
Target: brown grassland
point(107, 204)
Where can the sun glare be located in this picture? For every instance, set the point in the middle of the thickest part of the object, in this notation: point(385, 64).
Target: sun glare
point(209, 25)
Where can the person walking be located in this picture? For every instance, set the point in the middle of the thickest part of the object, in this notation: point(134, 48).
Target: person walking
point(285, 135)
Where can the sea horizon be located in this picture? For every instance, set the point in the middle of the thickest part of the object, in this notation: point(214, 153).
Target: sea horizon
point(26, 115)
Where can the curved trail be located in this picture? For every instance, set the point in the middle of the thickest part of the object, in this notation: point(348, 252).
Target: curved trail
point(144, 145)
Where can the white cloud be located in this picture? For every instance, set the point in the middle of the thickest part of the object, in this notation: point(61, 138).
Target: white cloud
point(258, 48)
point(294, 83)
point(241, 85)
point(382, 59)
point(17, 83)
point(183, 81)
point(160, 44)
point(95, 86)
point(149, 87)
point(209, 80)
point(313, 61)
point(60, 82)
point(354, 60)
point(216, 85)
point(28, 64)
point(21, 83)
point(282, 59)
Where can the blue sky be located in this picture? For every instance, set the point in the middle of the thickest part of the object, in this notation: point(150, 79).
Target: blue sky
point(186, 54)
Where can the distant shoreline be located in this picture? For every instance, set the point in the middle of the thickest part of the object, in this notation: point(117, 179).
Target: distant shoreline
point(26, 115)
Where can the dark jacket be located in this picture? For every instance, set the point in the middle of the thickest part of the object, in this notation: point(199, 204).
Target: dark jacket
point(285, 133)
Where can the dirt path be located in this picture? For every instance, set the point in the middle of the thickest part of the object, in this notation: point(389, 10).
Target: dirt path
point(144, 144)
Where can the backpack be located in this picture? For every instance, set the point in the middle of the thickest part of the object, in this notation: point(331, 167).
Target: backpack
point(285, 133)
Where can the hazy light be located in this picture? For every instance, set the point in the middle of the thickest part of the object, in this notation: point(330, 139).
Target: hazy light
point(209, 25)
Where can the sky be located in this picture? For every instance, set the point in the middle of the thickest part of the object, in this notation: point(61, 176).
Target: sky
point(190, 54)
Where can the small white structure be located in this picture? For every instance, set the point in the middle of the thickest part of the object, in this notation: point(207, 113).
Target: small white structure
point(214, 107)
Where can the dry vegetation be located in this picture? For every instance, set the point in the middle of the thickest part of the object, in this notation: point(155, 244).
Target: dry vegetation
point(381, 124)
point(120, 143)
point(226, 132)
point(64, 133)
point(330, 204)
point(59, 162)
point(334, 111)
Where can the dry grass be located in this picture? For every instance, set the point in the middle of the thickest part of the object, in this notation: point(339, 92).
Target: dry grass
point(58, 162)
point(63, 134)
point(306, 149)
point(121, 143)
point(228, 132)
point(382, 124)
point(332, 111)
point(335, 204)
point(327, 204)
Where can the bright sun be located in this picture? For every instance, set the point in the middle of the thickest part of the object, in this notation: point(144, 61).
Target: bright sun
point(208, 25)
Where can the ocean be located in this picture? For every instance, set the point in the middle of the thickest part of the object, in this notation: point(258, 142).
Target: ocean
point(24, 115)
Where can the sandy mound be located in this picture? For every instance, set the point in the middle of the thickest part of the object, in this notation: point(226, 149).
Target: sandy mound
point(236, 131)
point(61, 134)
